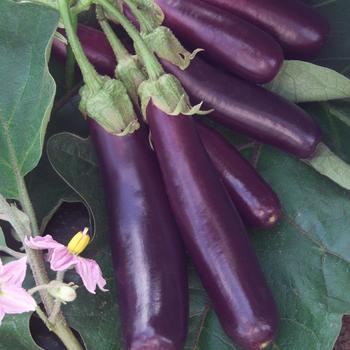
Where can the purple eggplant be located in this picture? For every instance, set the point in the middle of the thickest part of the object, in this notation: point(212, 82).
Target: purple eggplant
point(300, 29)
point(229, 41)
point(213, 232)
point(242, 106)
point(256, 202)
point(249, 109)
point(148, 255)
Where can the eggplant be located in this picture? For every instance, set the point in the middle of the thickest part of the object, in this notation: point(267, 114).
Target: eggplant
point(213, 232)
point(148, 255)
point(255, 200)
point(249, 109)
point(229, 41)
point(300, 29)
point(243, 107)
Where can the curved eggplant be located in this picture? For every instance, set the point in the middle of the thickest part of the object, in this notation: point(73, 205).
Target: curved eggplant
point(229, 41)
point(249, 109)
point(300, 29)
point(213, 232)
point(148, 255)
point(255, 200)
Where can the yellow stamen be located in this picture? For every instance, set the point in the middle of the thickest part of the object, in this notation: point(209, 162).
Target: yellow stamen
point(79, 242)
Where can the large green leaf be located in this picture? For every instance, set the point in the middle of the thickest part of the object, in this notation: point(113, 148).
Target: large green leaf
point(28, 89)
point(305, 258)
point(15, 333)
point(47, 195)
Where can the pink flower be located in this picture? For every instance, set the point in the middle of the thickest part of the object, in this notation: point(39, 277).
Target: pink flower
point(62, 258)
point(13, 298)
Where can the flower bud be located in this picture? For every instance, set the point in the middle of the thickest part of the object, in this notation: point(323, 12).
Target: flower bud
point(63, 292)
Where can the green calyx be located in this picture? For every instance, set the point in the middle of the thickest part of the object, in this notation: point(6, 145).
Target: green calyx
point(129, 71)
point(110, 106)
point(164, 43)
point(168, 95)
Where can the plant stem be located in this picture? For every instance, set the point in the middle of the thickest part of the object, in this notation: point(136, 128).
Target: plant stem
point(33, 290)
point(118, 48)
point(153, 67)
point(43, 317)
point(90, 76)
point(70, 61)
point(145, 24)
point(57, 306)
point(12, 252)
point(35, 258)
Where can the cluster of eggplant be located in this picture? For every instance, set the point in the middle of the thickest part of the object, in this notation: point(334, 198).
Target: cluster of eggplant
point(191, 193)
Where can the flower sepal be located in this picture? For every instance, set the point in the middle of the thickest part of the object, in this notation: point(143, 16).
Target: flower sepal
point(168, 95)
point(110, 106)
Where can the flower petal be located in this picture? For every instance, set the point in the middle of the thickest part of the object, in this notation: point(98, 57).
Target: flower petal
point(42, 242)
point(2, 315)
point(91, 274)
point(14, 272)
point(14, 300)
point(61, 259)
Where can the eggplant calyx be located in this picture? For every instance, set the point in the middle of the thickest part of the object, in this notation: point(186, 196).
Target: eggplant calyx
point(129, 71)
point(110, 106)
point(168, 95)
point(164, 43)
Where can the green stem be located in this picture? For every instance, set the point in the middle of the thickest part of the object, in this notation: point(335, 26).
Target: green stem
point(57, 306)
point(81, 6)
point(33, 290)
point(118, 48)
point(70, 62)
point(90, 76)
point(43, 317)
point(141, 18)
point(35, 257)
point(153, 67)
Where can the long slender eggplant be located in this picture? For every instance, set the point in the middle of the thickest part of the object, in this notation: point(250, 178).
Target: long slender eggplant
point(96, 48)
point(255, 200)
point(249, 109)
point(213, 232)
point(228, 40)
point(300, 29)
point(242, 106)
point(148, 255)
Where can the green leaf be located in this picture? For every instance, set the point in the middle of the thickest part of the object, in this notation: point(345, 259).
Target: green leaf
point(328, 164)
point(48, 195)
point(300, 81)
point(28, 89)
point(305, 258)
point(15, 333)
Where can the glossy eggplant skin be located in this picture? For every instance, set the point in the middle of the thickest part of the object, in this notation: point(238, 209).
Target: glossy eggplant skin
point(213, 232)
point(250, 109)
point(300, 29)
point(148, 254)
point(96, 48)
point(255, 200)
point(228, 41)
